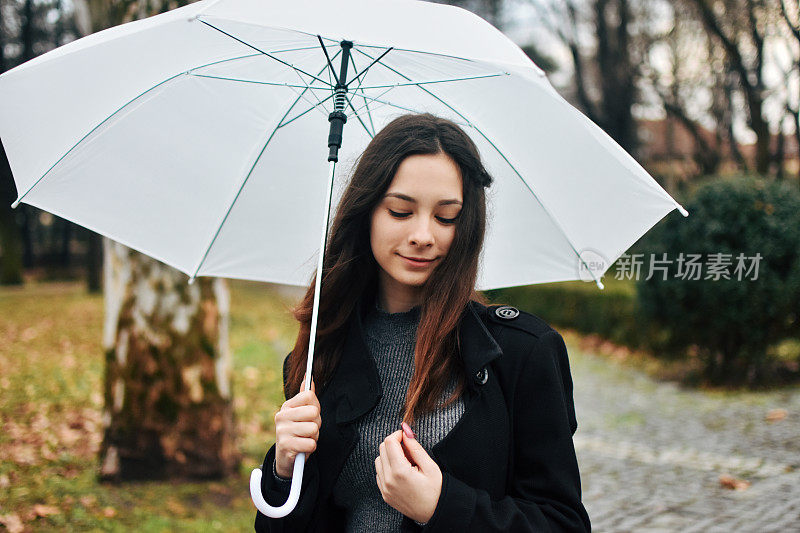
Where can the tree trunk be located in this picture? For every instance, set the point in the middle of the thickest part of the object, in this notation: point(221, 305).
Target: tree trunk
point(780, 153)
point(94, 262)
point(617, 72)
point(65, 254)
point(10, 236)
point(26, 228)
point(168, 403)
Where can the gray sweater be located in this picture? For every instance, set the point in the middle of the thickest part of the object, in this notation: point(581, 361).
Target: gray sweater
point(391, 338)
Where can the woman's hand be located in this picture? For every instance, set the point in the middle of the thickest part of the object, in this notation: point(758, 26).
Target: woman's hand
point(413, 488)
point(296, 428)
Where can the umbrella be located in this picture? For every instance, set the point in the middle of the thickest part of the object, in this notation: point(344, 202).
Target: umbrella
point(190, 137)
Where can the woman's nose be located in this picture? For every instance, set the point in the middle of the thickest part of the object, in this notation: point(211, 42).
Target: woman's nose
point(421, 234)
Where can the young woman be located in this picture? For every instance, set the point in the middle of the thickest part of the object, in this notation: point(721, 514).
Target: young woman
point(404, 341)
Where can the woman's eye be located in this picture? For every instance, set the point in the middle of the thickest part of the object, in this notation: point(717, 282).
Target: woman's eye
point(443, 220)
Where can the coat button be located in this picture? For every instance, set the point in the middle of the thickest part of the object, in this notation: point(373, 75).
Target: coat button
point(482, 376)
point(506, 312)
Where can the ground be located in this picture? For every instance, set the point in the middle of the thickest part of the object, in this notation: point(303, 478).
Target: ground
point(653, 457)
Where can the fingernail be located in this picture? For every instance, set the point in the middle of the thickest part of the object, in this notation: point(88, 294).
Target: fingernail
point(407, 430)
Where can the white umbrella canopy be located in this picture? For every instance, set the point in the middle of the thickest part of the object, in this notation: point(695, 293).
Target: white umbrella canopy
point(189, 137)
point(198, 137)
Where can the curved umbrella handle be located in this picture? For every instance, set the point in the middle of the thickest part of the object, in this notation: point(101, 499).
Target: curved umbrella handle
point(294, 493)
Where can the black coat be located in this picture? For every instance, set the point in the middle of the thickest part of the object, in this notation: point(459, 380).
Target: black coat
point(508, 464)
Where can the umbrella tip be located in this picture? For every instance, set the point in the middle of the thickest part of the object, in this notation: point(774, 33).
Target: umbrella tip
point(600, 284)
point(683, 211)
point(15, 204)
point(191, 280)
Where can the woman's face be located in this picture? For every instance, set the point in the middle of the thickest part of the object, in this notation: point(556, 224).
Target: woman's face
point(416, 220)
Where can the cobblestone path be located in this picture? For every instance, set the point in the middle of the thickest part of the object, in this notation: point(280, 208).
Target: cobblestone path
point(651, 454)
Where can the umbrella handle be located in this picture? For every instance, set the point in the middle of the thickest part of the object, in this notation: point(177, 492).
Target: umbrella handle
point(294, 493)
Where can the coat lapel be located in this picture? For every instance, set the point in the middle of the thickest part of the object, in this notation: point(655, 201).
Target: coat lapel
point(478, 347)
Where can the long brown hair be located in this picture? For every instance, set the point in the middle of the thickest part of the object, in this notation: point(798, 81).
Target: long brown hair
point(350, 272)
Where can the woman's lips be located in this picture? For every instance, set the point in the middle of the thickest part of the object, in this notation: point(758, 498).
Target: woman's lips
point(415, 263)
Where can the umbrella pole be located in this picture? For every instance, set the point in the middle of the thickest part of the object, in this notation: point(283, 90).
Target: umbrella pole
point(337, 120)
point(299, 461)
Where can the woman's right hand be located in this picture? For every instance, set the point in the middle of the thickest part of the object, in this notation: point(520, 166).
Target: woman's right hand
point(297, 427)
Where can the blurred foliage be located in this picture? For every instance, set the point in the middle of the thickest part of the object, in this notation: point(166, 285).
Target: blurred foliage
point(51, 371)
point(730, 321)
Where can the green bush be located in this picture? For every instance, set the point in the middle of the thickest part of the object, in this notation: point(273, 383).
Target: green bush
point(731, 321)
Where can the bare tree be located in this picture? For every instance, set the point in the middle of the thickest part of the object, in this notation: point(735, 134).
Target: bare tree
point(791, 18)
point(741, 27)
point(606, 69)
point(678, 84)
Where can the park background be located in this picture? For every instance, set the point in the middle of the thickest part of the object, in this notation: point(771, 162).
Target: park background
point(131, 400)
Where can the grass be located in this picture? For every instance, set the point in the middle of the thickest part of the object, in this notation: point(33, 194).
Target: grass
point(51, 372)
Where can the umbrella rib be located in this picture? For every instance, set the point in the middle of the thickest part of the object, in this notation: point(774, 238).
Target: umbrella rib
point(374, 98)
point(267, 54)
point(312, 104)
point(244, 182)
point(330, 65)
point(289, 85)
point(398, 106)
point(369, 112)
point(448, 56)
point(371, 135)
point(437, 81)
point(313, 107)
point(374, 61)
point(258, 82)
point(508, 162)
point(320, 102)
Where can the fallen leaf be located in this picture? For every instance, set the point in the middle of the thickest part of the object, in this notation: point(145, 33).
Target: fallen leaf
point(730, 482)
point(776, 414)
point(45, 510)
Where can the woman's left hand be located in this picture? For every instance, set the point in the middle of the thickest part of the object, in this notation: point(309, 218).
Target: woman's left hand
point(413, 488)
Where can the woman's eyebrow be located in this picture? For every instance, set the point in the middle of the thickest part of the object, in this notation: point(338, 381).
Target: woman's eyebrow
point(410, 199)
